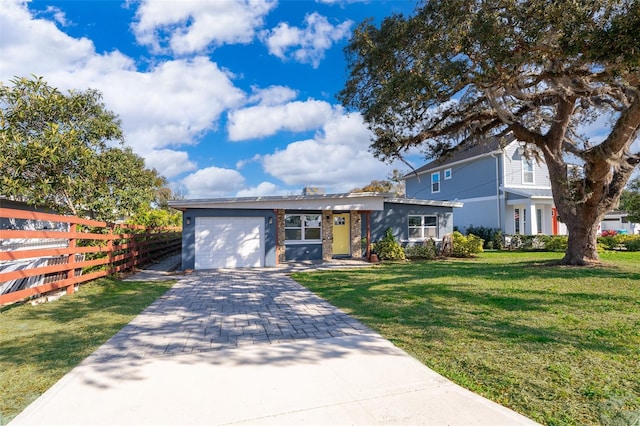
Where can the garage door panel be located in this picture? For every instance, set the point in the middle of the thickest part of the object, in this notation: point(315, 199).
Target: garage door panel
point(229, 242)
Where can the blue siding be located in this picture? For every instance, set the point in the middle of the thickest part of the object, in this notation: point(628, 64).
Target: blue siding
point(298, 252)
point(189, 232)
point(479, 213)
point(396, 217)
point(468, 180)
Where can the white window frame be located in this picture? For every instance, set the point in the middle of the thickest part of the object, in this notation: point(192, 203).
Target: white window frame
point(447, 174)
point(424, 234)
point(526, 164)
point(304, 218)
point(435, 182)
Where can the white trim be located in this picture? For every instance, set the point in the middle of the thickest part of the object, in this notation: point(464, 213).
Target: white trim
point(439, 182)
point(525, 164)
point(348, 202)
point(455, 163)
point(422, 226)
point(479, 199)
point(419, 202)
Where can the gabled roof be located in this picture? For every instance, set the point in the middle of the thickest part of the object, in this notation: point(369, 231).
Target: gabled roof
point(463, 152)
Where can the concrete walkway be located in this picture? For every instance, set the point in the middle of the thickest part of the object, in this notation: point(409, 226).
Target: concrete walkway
point(254, 347)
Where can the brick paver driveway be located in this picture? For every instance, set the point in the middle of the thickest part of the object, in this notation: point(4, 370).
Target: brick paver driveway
point(212, 310)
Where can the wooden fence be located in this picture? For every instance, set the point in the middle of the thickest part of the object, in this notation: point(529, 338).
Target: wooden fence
point(72, 251)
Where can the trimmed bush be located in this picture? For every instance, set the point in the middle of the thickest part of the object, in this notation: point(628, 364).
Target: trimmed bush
point(557, 243)
point(466, 246)
point(388, 248)
point(424, 250)
point(492, 236)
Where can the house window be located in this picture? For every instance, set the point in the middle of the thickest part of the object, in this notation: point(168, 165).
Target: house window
point(302, 227)
point(516, 218)
point(447, 174)
point(423, 227)
point(527, 170)
point(435, 182)
point(539, 220)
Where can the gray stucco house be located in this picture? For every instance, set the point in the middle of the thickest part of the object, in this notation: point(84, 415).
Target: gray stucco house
point(500, 187)
point(267, 231)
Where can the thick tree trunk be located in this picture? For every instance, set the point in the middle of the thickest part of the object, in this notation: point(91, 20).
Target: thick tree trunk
point(583, 239)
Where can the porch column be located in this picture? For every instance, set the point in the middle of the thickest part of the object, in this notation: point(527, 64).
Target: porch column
point(356, 234)
point(532, 224)
point(327, 234)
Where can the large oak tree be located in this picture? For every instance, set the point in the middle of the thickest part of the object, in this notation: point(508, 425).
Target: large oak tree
point(459, 72)
point(65, 152)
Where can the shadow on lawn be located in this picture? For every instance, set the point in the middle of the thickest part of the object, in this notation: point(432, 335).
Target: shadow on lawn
point(94, 317)
point(522, 304)
point(203, 318)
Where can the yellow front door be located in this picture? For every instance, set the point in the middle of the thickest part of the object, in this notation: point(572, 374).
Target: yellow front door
point(341, 231)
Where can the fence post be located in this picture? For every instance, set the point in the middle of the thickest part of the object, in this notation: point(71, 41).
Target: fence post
point(112, 267)
point(71, 259)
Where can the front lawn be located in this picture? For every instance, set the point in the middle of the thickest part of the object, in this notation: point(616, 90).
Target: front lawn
point(560, 345)
point(40, 344)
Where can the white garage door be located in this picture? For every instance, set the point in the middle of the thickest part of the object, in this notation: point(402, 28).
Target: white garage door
point(229, 242)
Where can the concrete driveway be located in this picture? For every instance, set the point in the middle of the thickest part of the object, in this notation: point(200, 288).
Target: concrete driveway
point(254, 347)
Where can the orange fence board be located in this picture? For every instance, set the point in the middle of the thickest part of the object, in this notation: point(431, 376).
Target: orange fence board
point(122, 250)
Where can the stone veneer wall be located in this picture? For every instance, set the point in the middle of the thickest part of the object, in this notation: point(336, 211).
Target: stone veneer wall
point(327, 234)
point(280, 247)
point(356, 235)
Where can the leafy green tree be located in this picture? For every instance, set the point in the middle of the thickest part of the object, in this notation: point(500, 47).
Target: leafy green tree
point(66, 152)
point(630, 200)
point(460, 72)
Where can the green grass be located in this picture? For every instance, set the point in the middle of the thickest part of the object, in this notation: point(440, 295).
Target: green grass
point(40, 344)
point(558, 344)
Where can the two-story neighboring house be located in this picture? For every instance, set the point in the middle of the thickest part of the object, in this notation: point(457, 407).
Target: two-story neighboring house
point(500, 188)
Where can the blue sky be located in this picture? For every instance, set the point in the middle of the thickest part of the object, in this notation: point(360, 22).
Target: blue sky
point(224, 98)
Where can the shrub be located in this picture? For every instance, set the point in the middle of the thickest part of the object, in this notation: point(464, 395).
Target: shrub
point(492, 236)
point(424, 250)
point(620, 242)
point(612, 240)
point(632, 243)
point(466, 246)
point(557, 243)
point(388, 247)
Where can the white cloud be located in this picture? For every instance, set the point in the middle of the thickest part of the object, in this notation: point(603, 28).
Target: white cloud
point(272, 95)
point(36, 46)
point(337, 158)
point(241, 163)
point(341, 1)
point(174, 103)
point(213, 182)
point(264, 188)
point(305, 45)
point(171, 162)
point(185, 27)
point(265, 120)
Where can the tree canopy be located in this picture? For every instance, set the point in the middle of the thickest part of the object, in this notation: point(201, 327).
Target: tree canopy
point(66, 152)
point(460, 72)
